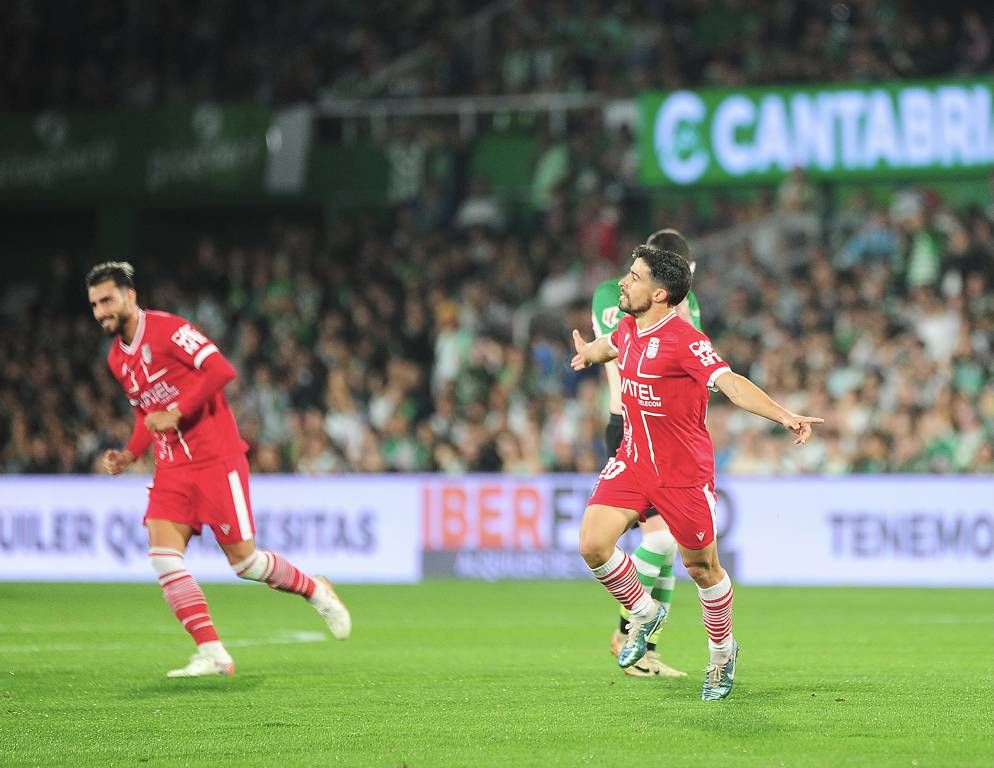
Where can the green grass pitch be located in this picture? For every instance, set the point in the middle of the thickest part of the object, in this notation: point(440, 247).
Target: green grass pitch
point(506, 674)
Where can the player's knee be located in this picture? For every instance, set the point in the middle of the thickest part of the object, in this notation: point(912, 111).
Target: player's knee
point(255, 567)
point(165, 560)
point(595, 549)
point(705, 572)
point(698, 571)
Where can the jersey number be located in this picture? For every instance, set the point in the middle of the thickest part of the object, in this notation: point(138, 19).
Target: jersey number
point(612, 469)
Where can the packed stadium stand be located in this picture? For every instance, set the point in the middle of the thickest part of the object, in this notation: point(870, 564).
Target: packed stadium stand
point(393, 346)
point(123, 53)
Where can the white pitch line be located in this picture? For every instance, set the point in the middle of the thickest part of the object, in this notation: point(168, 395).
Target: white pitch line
point(73, 629)
point(284, 638)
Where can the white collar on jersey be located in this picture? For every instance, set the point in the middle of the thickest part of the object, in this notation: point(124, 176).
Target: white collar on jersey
point(659, 324)
point(130, 349)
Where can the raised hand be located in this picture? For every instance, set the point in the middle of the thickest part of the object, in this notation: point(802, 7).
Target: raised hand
point(579, 361)
point(161, 421)
point(801, 426)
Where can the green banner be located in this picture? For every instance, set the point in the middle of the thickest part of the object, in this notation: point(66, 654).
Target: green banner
point(205, 150)
point(842, 132)
point(53, 155)
point(208, 148)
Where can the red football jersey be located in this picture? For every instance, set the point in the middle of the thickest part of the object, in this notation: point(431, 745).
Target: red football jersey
point(164, 367)
point(666, 371)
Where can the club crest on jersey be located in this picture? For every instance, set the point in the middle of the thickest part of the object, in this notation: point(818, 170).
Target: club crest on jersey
point(146, 353)
point(653, 349)
point(609, 317)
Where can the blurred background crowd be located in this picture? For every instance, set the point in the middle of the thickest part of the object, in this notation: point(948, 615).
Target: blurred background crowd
point(114, 53)
point(432, 334)
point(389, 346)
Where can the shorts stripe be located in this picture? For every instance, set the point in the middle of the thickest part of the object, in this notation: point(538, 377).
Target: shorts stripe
point(712, 503)
point(241, 508)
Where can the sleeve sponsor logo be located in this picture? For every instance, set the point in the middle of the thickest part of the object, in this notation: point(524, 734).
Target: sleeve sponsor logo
point(705, 353)
point(189, 339)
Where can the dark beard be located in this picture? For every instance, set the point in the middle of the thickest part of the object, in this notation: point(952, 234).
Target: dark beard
point(633, 310)
point(122, 320)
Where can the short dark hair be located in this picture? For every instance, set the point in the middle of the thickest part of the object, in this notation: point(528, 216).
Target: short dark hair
point(669, 269)
point(121, 272)
point(669, 240)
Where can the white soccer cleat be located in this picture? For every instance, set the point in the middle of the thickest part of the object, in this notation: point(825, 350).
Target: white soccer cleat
point(331, 608)
point(651, 665)
point(204, 665)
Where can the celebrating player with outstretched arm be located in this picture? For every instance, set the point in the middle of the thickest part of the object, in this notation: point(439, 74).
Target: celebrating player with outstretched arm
point(666, 459)
point(655, 554)
point(174, 378)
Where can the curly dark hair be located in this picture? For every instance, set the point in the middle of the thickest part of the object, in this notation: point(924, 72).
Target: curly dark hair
point(668, 268)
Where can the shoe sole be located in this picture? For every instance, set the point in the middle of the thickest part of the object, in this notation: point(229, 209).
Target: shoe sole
point(669, 673)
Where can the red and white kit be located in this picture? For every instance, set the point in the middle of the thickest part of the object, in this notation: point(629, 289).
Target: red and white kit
point(201, 473)
point(666, 459)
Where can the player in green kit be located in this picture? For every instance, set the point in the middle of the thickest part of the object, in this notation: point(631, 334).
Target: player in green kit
point(654, 558)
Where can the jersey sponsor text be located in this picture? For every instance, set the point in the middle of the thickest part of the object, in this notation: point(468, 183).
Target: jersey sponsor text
point(644, 393)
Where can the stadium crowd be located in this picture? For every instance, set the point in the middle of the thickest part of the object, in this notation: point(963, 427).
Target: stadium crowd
point(405, 343)
point(139, 53)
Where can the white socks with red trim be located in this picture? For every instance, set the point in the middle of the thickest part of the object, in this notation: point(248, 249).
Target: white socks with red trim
point(621, 579)
point(276, 571)
point(716, 605)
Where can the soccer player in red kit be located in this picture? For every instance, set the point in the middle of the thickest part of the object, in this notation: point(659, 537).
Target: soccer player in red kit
point(174, 377)
point(666, 459)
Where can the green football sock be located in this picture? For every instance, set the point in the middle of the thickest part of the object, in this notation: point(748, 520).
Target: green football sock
point(662, 590)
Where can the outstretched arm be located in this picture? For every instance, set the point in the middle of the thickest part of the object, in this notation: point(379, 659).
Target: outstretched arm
point(590, 352)
point(749, 397)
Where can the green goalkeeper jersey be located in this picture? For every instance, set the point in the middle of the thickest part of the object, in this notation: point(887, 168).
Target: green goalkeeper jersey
point(606, 314)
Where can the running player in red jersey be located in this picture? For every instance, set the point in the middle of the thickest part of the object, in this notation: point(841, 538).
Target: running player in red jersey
point(174, 377)
point(657, 551)
point(666, 459)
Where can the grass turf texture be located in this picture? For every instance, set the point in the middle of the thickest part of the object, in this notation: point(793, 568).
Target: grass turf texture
point(517, 674)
